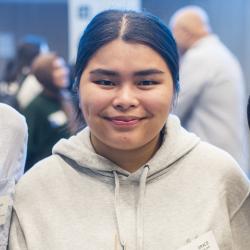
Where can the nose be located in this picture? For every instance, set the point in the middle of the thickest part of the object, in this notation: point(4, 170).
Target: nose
point(125, 98)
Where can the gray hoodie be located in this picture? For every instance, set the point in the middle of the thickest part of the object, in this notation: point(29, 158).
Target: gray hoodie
point(190, 195)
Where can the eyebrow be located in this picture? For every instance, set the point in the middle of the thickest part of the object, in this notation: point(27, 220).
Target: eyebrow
point(104, 72)
point(115, 73)
point(148, 72)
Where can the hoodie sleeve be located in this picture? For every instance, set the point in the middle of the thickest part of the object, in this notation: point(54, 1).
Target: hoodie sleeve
point(240, 226)
point(238, 203)
point(13, 143)
point(13, 146)
point(16, 240)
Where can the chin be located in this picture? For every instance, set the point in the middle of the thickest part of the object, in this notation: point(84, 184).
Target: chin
point(126, 146)
point(119, 142)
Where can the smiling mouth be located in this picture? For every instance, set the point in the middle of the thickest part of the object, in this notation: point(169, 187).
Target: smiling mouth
point(124, 121)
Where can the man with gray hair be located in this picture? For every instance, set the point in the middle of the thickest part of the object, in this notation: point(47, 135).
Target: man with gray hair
point(212, 100)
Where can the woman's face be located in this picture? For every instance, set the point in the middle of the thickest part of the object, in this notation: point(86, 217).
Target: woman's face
point(60, 73)
point(126, 93)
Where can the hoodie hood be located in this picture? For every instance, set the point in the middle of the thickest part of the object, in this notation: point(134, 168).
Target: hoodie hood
point(177, 143)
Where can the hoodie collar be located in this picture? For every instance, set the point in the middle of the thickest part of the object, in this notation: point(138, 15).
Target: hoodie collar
point(176, 144)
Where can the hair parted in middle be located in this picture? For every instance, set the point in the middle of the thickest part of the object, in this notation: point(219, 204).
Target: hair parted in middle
point(132, 27)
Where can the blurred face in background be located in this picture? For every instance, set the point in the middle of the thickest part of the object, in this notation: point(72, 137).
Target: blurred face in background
point(60, 73)
point(182, 37)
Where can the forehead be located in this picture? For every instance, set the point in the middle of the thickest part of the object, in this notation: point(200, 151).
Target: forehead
point(119, 54)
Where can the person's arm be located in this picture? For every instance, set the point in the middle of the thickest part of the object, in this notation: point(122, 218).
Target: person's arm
point(13, 145)
point(16, 237)
point(237, 196)
point(240, 226)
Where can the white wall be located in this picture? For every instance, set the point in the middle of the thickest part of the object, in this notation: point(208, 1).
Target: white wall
point(80, 12)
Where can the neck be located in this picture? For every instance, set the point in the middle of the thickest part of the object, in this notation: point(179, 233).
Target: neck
point(129, 160)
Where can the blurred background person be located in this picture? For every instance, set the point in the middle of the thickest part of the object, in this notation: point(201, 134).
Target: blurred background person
point(13, 146)
point(51, 114)
point(19, 82)
point(211, 101)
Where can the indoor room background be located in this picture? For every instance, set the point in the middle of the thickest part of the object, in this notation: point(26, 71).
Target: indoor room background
point(230, 19)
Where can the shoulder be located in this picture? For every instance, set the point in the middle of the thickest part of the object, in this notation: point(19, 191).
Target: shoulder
point(11, 118)
point(206, 51)
point(222, 170)
point(40, 178)
point(217, 160)
point(45, 169)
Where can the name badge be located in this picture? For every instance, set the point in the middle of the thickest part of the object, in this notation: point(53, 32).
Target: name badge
point(206, 241)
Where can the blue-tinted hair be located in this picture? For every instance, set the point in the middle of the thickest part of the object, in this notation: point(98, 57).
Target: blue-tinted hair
point(138, 27)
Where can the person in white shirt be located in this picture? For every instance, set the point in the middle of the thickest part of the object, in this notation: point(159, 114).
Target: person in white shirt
point(13, 146)
point(211, 102)
point(18, 80)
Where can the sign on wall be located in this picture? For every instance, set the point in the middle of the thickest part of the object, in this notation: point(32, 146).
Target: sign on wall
point(80, 12)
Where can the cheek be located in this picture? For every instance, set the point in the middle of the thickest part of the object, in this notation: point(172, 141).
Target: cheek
point(85, 105)
point(91, 103)
point(161, 103)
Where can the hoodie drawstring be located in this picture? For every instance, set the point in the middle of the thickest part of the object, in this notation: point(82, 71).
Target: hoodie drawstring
point(140, 208)
point(117, 210)
point(139, 212)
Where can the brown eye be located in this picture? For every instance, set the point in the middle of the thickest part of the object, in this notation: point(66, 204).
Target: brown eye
point(105, 83)
point(147, 83)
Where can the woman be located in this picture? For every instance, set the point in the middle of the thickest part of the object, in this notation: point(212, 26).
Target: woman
point(13, 146)
point(21, 86)
point(48, 115)
point(134, 178)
